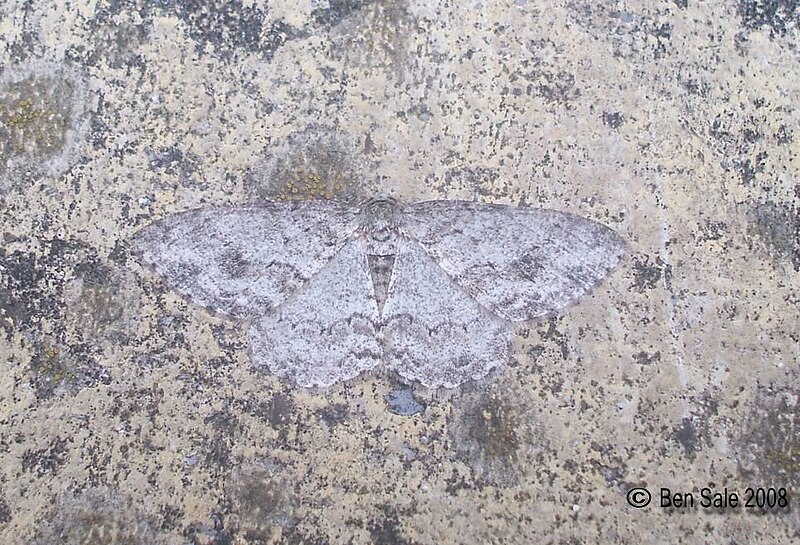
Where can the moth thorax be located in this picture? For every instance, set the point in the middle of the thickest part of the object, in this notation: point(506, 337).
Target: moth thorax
point(380, 219)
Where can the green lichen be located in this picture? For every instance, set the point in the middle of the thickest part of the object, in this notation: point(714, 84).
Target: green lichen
point(96, 518)
point(57, 368)
point(35, 116)
point(315, 165)
point(51, 368)
point(372, 35)
point(495, 425)
point(98, 308)
point(308, 185)
point(261, 502)
point(487, 432)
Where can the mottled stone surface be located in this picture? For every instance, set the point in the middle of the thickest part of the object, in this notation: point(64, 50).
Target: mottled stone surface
point(129, 415)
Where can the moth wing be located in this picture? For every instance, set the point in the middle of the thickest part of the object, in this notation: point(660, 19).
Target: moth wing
point(434, 332)
point(244, 261)
point(521, 263)
point(326, 332)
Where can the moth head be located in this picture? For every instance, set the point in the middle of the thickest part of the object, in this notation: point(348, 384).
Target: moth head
point(379, 222)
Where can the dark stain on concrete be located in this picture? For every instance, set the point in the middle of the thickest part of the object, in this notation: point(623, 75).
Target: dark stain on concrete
point(46, 461)
point(686, 436)
point(5, 512)
point(647, 273)
point(613, 120)
point(57, 368)
point(548, 331)
point(223, 23)
point(768, 442)
point(749, 168)
point(115, 40)
point(709, 230)
point(99, 517)
point(644, 35)
point(387, 530)
point(777, 226)
point(213, 532)
point(172, 161)
point(338, 10)
point(261, 501)
point(64, 290)
point(33, 282)
point(784, 135)
point(489, 432)
point(280, 410)
point(101, 303)
point(646, 358)
point(223, 429)
point(334, 414)
point(481, 182)
point(227, 25)
point(780, 16)
point(697, 430)
point(559, 87)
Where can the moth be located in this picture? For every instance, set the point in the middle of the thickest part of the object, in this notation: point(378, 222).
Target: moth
point(330, 290)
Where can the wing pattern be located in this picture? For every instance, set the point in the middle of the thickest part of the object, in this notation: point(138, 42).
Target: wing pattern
point(434, 332)
point(523, 264)
point(304, 275)
point(244, 261)
point(327, 331)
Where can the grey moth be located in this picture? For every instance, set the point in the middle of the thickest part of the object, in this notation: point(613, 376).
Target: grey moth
point(332, 290)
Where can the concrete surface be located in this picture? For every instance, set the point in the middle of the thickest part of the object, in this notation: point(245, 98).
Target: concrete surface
point(130, 416)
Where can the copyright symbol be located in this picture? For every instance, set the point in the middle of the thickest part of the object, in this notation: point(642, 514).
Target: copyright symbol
point(639, 497)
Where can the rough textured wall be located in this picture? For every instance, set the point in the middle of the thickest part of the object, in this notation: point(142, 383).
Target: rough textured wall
point(128, 415)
